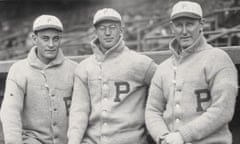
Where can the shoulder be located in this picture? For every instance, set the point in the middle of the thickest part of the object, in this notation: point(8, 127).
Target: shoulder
point(140, 62)
point(70, 62)
point(18, 72)
point(18, 66)
point(140, 58)
point(84, 65)
point(166, 63)
point(165, 67)
point(86, 62)
point(217, 56)
point(217, 52)
point(139, 55)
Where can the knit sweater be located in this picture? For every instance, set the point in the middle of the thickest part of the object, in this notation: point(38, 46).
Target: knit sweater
point(36, 100)
point(193, 93)
point(109, 97)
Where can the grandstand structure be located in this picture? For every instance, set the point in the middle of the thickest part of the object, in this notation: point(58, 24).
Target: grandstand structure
point(146, 23)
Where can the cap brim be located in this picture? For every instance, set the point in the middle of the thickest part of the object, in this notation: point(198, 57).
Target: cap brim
point(48, 27)
point(186, 14)
point(107, 18)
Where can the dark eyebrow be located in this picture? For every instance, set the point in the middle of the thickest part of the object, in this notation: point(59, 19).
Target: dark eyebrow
point(56, 37)
point(44, 36)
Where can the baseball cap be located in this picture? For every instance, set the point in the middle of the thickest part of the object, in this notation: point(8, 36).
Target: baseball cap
point(106, 14)
point(47, 21)
point(187, 9)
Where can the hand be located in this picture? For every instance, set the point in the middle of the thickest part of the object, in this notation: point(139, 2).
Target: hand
point(173, 138)
point(161, 139)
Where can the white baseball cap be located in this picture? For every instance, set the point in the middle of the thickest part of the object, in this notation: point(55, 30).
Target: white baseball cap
point(186, 9)
point(106, 14)
point(47, 21)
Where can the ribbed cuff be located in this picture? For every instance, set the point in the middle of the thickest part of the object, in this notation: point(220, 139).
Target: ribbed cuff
point(186, 134)
point(74, 140)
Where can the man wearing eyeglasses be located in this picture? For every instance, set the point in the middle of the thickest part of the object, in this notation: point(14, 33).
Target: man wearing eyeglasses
point(110, 88)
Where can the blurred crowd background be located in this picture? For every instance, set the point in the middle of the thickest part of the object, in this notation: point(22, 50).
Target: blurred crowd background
point(146, 23)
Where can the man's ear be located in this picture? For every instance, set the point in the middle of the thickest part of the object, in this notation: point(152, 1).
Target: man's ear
point(171, 27)
point(202, 21)
point(34, 37)
point(122, 28)
point(94, 29)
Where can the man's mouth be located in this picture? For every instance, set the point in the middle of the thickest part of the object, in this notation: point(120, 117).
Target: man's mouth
point(185, 38)
point(51, 51)
point(108, 39)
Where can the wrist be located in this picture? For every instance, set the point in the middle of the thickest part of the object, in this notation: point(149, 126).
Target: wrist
point(180, 135)
point(161, 138)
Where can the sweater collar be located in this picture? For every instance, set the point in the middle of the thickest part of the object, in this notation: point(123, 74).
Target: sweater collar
point(112, 52)
point(34, 61)
point(198, 45)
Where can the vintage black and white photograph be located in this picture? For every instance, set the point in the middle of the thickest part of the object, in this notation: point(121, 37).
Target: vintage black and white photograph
point(119, 71)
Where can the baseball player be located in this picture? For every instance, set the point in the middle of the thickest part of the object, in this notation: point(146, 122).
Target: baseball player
point(192, 94)
point(110, 88)
point(38, 89)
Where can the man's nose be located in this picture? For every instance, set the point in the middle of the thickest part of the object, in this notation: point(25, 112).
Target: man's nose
point(184, 31)
point(107, 31)
point(50, 43)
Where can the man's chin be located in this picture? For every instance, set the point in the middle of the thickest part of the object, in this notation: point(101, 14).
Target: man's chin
point(108, 46)
point(51, 56)
point(185, 44)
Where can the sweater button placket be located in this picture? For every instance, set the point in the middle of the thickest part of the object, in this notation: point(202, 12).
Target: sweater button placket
point(54, 123)
point(177, 106)
point(177, 97)
point(104, 139)
point(105, 124)
point(55, 136)
point(46, 85)
point(177, 120)
point(43, 72)
point(174, 75)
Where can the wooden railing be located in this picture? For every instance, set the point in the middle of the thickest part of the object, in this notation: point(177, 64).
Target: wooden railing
point(158, 57)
